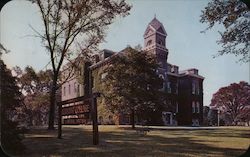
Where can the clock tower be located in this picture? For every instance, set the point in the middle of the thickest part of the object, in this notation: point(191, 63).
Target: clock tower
point(155, 43)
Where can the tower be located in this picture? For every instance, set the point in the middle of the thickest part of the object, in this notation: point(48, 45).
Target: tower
point(155, 43)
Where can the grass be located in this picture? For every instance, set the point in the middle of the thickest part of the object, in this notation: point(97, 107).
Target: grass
point(123, 141)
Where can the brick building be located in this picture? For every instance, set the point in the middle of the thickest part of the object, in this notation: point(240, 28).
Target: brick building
point(184, 88)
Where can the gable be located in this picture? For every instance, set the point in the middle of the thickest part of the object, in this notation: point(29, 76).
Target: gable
point(148, 31)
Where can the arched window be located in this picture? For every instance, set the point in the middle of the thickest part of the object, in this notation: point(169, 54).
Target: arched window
point(160, 42)
point(149, 42)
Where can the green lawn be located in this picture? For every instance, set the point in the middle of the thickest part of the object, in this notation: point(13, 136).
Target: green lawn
point(122, 141)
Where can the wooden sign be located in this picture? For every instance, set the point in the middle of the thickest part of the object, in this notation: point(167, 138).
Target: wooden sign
point(79, 114)
point(71, 121)
point(76, 114)
point(76, 109)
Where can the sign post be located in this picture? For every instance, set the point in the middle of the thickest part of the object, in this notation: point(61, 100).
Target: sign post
point(94, 119)
point(81, 110)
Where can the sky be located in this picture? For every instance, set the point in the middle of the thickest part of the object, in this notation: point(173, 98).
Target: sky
point(188, 47)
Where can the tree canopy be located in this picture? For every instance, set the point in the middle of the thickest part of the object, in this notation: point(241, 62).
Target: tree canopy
point(74, 28)
point(234, 15)
point(11, 98)
point(132, 84)
point(35, 86)
point(233, 100)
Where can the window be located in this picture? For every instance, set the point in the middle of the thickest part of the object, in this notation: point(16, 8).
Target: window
point(169, 87)
point(64, 90)
point(103, 76)
point(176, 88)
point(177, 107)
point(160, 64)
point(197, 88)
point(75, 87)
point(198, 107)
point(78, 90)
point(172, 69)
point(149, 42)
point(193, 87)
point(160, 42)
point(80, 71)
point(69, 88)
point(195, 122)
point(162, 77)
point(193, 107)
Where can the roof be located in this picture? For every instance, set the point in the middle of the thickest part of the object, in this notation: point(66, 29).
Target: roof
point(155, 23)
point(157, 26)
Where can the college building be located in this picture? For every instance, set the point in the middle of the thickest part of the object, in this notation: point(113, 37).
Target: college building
point(184, 88)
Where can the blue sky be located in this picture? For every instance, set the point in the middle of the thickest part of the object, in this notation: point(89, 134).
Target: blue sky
point(188, 48)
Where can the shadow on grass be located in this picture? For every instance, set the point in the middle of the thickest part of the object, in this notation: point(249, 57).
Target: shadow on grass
point(77, 141)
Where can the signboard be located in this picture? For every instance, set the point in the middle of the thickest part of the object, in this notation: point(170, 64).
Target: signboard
point(71, 121)
point(76, 109)
point(79, 113)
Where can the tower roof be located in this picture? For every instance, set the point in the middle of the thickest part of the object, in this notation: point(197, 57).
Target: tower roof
point(157, 26)
point(155, 23)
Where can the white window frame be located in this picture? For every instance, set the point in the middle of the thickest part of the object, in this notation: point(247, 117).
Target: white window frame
point(193, 107)
point(198, 107)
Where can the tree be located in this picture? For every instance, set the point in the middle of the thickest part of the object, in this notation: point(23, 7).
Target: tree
point(233, 100)
point(11, 98)
point(71, 23)
point(35, 87)
point(235, 17)
point(132, 85)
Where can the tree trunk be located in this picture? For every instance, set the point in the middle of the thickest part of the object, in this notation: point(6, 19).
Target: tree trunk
point(52, 104)
point(132, 119)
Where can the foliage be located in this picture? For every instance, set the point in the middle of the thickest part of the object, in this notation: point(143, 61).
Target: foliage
point(233, 100)
point(71, 23)
point(235, 17)
point(132, 84)
point(10, 100)
point(35, 86)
